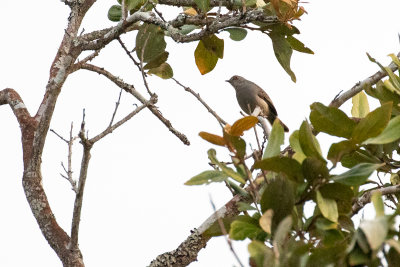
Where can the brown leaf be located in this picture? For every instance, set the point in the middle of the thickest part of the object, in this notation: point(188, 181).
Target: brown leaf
point(242, 125)
point(212, 138)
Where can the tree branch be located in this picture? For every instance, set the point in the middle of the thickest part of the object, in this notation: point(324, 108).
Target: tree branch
point(358, 87)
point(197, 96)
point(213, 26)
point(130, 89)
point(366, 197)
point(11, 97)
point(188, 250)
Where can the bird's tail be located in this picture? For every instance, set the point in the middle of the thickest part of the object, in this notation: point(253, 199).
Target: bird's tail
point(285, 128)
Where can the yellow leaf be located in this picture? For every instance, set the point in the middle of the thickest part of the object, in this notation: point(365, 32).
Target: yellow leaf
point(266, 220)
point(242, 125)
point(190, 12)
point(212, 138)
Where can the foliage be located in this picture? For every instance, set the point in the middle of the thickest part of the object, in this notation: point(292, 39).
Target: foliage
point(282, 233)
point(210, 47)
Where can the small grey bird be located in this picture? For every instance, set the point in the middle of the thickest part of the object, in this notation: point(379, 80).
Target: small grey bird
point(249, 95)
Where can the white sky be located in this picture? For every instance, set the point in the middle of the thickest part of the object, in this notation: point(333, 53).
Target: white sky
point(136, 206)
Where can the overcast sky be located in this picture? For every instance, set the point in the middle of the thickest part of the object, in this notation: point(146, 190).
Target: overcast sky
point(135, 205)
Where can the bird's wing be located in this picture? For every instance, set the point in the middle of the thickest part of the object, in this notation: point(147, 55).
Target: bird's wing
point(263, 95)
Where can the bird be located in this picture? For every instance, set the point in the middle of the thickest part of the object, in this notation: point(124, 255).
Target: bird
point(249, 95)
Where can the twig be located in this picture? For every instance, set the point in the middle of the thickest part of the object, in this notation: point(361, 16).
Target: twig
point(111, 128)
point(128, 53)
point(76, 217)
point(130, 89)
point(59, 136)
point(225, 233)
point(158, 12)
point(87, 59)
point(116, 108)
point(68, 169)
point(197, 96)
point(141, 66)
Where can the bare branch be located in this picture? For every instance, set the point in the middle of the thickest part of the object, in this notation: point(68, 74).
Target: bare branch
point(116, 108)
point(130, 89)
point(87, 59)
point(358, 87)
point(129, 54)
point(197, 95)
point(76, 217)
point(110, 128)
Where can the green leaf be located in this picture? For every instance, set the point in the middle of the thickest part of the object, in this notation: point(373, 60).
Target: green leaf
point(331, 120)
point(359, 156)
point(295, 144)
point(156, 62)
point(276, 139)
point(308, 142)
point(360, 107)
point(245, 227)
point(338, 150)
point(375, 231)
point(215, 228)
point(115, 13)
point(278, 196)
point(163, 71)
point(343, 195)
point(393, 78)
point(288, 166)
point(266, 221)
point(238, 143)
point(377, 200)
point(236, 34)
point(326, 256)
point(384, 95)
point(283, 52)
point(228, 171)
point(373, 124)
point(203, 5)
point(390, 134)
point(396, 60)
point(205, 59)
point(214, 44)
point(150, 42)
point(328, 207)
point(187, 28)
point(242, 206)
point(357, 175)
point(298, 46)
point(260, 254)
point(314, 168)
point(282, 231)
point(238, 190)
point(207, 177)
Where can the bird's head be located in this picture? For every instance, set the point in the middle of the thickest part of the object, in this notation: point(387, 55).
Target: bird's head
point(236, 80)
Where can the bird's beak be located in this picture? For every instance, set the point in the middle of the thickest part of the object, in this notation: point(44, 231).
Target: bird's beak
point(229, 81)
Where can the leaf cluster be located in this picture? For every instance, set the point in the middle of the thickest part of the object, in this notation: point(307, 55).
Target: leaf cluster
point(274, 217)
point(210, 47)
